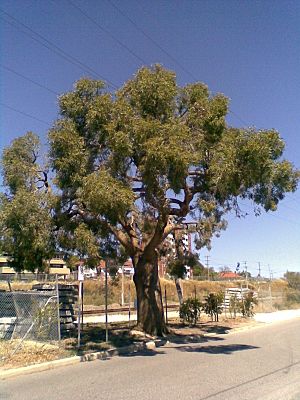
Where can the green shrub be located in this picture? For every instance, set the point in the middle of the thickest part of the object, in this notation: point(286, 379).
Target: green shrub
point(234, 306)
point(247, 305)
point(213, 305)
point(190, 310)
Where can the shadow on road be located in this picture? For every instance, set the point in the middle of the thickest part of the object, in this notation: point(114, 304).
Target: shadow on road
point(219, 349)
point(214, 328)
point(143, 353)
point(186, 339)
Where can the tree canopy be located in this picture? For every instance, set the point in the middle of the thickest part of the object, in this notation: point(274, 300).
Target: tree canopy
point(155, 150)
point(131, 167)
point(25, 208)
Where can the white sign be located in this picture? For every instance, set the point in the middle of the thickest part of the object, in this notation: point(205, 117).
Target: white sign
point(80, 272)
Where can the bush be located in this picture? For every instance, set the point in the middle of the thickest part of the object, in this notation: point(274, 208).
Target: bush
point(293, 279)
point(247, 305)
point(190, 310)
point(213, 305)
point(293, 297)
point(234, 306)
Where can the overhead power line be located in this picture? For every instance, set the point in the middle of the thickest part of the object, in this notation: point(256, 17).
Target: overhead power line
point(152, 40)
point(24, 113)
point(28, 79)
point(71, 59)
point(272, 215)
point(179, 64)
point(74, 61)
point(51, 46)
point(107, 32)
point(239, 118)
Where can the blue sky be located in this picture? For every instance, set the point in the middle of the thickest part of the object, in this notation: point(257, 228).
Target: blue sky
point(249, 50)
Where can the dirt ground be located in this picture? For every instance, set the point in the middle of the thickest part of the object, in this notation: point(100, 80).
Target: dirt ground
point(119, 335)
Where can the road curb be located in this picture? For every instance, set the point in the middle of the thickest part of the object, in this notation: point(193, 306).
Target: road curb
point(99, 355)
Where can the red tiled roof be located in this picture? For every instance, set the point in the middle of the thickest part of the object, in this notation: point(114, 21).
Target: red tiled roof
point(228, 274)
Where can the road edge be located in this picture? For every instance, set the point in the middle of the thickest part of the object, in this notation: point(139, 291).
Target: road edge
point(99, 355)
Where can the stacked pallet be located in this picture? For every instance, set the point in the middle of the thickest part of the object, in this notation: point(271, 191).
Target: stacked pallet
point(67, 300)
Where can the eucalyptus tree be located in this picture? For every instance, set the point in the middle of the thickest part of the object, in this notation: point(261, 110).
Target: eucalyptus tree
point(136, 164)
point(25, 206)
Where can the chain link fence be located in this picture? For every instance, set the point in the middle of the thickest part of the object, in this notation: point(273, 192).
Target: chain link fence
point(30, 316)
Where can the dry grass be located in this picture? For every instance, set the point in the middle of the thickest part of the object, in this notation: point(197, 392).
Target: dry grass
point(94, 291)
point(16, 285)
point(29, 353)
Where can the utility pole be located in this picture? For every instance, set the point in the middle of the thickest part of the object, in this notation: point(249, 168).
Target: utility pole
point(122, 282)
point(246, 272)
point(258, 280)
point(270, 288)
point(207, 266)
point(106, 301)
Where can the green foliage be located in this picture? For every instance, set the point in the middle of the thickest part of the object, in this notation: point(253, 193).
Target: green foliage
point(106, 195)
point(247, 305)
point(213, 305)
point(25, 209)
point(19, 166)
point(152, 93)
point(293, 279)
point(25, 226)
point(190, 310)
point(177, 268)
point(122, 160)
point(85, 242)
point(234, 306)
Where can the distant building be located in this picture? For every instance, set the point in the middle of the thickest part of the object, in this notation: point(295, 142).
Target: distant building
point(228, 275)
point(55, 265)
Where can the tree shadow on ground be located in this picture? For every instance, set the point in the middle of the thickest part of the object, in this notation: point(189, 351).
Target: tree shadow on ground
point(119, 336)
point(93, 338)
point(213, 328)
point(206, 327)
point(143, 353)
point(185, 339)
point(219, 349)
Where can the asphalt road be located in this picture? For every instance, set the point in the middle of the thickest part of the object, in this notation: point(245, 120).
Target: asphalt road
point(262, 363)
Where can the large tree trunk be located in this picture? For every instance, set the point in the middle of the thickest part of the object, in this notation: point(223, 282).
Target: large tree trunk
point(150, 312)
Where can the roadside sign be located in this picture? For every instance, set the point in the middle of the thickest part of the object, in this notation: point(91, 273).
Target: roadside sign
point(80, 272)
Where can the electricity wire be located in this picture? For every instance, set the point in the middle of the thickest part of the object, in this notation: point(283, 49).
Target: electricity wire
point(24, 113)
point(51, 46)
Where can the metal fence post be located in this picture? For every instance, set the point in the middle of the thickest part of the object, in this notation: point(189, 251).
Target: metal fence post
point(129, 310)
point(58, 312)
point(106, 301)
point(122, 283)
point(79, 314)
point(166, 305)
point(225, 304)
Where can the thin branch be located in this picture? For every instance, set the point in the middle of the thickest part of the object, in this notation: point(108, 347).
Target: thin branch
point(176, 201)
point(134, 178)
point(138, 190)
